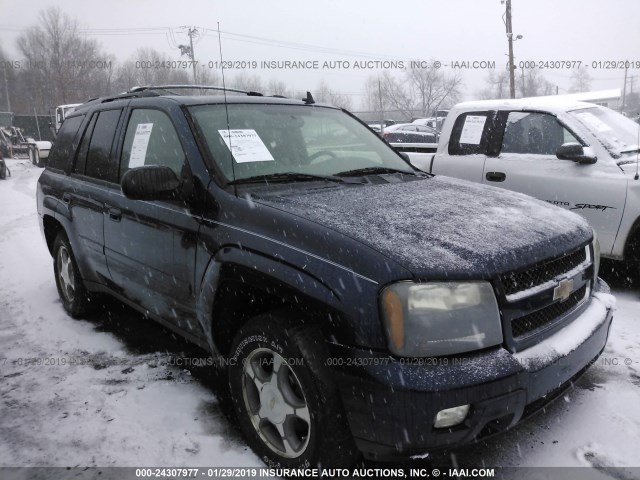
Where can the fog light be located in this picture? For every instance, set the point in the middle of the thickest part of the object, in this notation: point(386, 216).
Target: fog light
point(450, 417)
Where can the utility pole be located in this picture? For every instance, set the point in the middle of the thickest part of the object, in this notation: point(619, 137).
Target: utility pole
point(509, 25)
point(381, 109)
point(6, 89)
point(192, 32)
point(624, 91)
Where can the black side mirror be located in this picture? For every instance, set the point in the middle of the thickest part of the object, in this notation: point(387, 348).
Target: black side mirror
point(574, 152)
point(152, 182)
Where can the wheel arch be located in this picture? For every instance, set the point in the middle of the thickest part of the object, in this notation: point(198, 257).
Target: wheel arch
point(51, 229)
point(632, 245)
point(239, 285)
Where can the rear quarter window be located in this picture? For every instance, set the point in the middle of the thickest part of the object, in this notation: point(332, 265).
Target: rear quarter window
point(65, 145)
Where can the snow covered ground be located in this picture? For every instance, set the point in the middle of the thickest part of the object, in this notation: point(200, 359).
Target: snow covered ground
point(113, 390)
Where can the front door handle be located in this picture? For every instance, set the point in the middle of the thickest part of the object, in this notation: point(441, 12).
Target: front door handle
point(496, 176)
point(115, 214)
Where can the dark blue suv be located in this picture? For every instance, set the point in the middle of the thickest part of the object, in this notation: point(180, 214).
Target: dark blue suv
point(359, 305)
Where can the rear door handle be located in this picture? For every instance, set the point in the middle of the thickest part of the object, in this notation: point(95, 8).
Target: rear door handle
point(496, 176)
point(115, 214)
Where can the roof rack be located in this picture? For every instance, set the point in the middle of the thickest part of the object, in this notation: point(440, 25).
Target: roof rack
point(169, 89)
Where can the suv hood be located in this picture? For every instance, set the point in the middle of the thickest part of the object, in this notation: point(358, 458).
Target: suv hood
point(441, 227)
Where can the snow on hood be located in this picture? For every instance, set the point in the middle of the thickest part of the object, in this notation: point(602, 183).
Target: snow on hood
point(442, 227)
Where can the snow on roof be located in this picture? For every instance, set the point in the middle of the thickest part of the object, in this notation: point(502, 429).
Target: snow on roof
point(553, 103)
point(599, 95)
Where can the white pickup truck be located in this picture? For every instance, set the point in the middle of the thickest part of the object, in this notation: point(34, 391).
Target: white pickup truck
point(39, 150)
point(579, 156)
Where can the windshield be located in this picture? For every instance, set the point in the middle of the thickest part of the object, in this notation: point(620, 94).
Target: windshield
point(617, 133)
point(268, 139)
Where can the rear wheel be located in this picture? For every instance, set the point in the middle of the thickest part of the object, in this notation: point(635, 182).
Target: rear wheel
point(287, 405)
point(37, 159)
point(34, 156)
point(76, 300)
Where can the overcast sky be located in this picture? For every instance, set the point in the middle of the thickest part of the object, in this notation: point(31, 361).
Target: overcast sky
point(452, 30)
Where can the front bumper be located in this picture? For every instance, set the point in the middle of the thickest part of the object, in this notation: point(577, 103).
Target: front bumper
point(392, 403)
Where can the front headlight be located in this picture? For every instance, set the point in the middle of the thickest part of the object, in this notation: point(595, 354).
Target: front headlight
point(596, 256)
point(440, 318)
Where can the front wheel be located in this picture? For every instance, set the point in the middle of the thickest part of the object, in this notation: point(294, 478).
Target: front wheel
point(76, 300)
point(287, 405)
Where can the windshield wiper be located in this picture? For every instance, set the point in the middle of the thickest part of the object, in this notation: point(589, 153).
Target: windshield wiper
point(372, 171)
point(290, 177)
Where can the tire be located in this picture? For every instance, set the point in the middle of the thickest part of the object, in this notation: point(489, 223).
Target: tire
point(3, 170)
point(37, 159)
point(288, 410)
point(76, 300)
point(633, 266)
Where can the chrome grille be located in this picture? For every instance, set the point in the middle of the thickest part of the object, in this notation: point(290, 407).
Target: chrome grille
point(541, 299)
point(536, 321)
point(543, 272)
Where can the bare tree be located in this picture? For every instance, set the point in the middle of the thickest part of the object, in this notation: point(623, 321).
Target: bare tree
point(325, 94)
point(531, 83)
point(278, 87)
point(421, 91)
point(60, 65)
point(497, 86)
point(433, 88)
point(209, 77)
point(7, 80)
point(580, 80)
point(373, 100)
point(396, 96)
point(244, 81)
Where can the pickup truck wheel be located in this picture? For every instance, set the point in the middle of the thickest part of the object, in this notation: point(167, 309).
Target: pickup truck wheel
point(76, 300)
point(288, 408)
point(37, 159)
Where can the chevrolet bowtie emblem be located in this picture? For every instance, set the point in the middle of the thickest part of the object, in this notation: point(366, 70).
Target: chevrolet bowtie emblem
point(563, 290)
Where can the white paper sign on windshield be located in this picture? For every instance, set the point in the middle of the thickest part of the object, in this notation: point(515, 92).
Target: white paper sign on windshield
point(594, 122)
point(140, 144)
point(246, 146)
point(472, 129)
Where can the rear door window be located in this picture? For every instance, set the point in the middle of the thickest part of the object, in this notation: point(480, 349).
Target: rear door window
point(99, 163)
point(81, 158)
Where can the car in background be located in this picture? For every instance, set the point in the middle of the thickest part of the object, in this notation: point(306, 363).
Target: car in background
point(432, 122)
point(411, 137)
point(378, 125)
point(408, 127)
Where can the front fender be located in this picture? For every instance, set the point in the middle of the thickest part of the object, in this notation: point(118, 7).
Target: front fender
point(273, 274)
